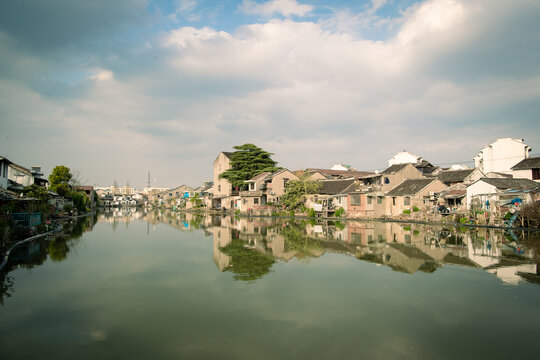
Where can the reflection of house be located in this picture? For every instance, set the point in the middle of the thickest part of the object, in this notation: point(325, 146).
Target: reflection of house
point(396, 173)
point(527, 169)
point(412, 193)
point(501, 155)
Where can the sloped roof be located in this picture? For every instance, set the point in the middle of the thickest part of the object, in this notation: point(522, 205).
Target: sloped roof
point(260, 176)
point(410, 187)
point(525, 164)
point(227, 153)
point(453, 176)
point(394, 168)
point(342, 173)
point(512, 184)
point(334, 187)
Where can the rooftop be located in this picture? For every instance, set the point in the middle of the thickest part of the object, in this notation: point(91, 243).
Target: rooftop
point(525, 164)
point(410, 187)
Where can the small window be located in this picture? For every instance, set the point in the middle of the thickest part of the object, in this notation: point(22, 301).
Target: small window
point(394, 201)
point(356, 200)
point(407, 201)
point(369, 199)
point(256, 201)
point(379, 199)
point(356, 238)
point(386, 180)
point(536, 174)
point(219, 188)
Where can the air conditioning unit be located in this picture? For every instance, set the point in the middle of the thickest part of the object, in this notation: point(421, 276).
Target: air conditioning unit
point(272, 193)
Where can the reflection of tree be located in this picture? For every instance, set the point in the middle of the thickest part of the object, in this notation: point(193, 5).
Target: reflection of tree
point(297, 240)
point(247, 264)
point(59, 248)
point(6, 286)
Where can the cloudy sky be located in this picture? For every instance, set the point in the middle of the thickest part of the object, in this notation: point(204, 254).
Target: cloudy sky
point(117, 89)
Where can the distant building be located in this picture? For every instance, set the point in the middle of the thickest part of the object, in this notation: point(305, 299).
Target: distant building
point(405, 157)
point(501, 155)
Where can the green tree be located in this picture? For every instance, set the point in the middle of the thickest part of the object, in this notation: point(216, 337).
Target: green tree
point(246, 162)
point(36, 192)
point(296, 191)
point(60, 175)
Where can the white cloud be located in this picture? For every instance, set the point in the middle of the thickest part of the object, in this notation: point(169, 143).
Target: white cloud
point(311, 95)
point(270, 8)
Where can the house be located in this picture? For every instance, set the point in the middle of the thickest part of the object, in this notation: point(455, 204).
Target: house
point(452, 177)
point(397, 173)
point(4, 165)
point(38, 177)
point(494, 195)
point(88, 190)
point(366, 204)
point(501, 155)
point(19, 176)
point(341, 174)
point(332, 195)
point(413, 193)
point(405, 157)
point(265, 188)
point(455, 197)
point(527, 169)
point(224, 195)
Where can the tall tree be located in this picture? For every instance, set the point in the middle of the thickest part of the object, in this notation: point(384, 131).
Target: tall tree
point(60, 175)
point(246, 162)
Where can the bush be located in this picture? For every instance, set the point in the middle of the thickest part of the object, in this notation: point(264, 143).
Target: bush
point(415, 209)
point(311, 213)
point(237, 212)
point(463, 220)
point(340, 212)
point(406, 211)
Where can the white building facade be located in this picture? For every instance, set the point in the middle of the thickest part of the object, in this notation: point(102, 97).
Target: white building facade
point(501, 155)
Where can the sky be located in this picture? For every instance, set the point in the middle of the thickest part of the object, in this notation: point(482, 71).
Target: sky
point(117, 89)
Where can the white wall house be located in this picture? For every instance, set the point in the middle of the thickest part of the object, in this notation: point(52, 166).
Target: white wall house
point(487, 189)
point(404, 157)
point(501, 155)
point(4, 164)
point(527, 169)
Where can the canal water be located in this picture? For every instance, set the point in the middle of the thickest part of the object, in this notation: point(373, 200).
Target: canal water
point(174, 285)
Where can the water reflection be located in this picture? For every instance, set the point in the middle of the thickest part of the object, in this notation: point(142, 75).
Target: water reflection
point(55, 247)
point(249, 247)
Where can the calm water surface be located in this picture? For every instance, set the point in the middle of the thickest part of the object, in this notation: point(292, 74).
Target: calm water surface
point(173, 286)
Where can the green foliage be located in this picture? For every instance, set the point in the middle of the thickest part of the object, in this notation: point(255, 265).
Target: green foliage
point(296, 191)
point(340, 212)
point(79, 200)
point(463, 220)
point(415, 209)
point(196, 201)
point(36, 192)
point(311, 213)
point(246, 162)
point(237, 212)
point(61, 189)
point(407, 228)
point(60, 175)
point(297, 240)
point(406, 211)
point(416, 232)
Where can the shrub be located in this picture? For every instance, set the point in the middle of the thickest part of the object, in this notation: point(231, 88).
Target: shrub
point(340, 212)
point(406, 211)
point(415, 209)
point(463, 220)
point(311, 213)
point(237, 212)
point(407, 228)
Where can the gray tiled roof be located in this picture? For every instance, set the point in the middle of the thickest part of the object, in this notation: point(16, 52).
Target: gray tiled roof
point(334, 187)
point(227, 154)
point(342, 173)
point(512, 184)
point(394, 168)
point(453, 176)
point(525, 164)
point(410, 187)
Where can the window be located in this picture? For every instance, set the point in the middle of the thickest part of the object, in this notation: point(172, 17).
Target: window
point(219, 188)
point(386, 180)
point(170, 194)
point(251, 186)
point(245, 201)
point(369, 199)
point(394, 201)
point(536, 174)
point(379, 199)
point(426, 200)
point(355, 200)
point(407, 201)
point(356, 238)
point(256, 201)
point(370, 238)
point(285, 181)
